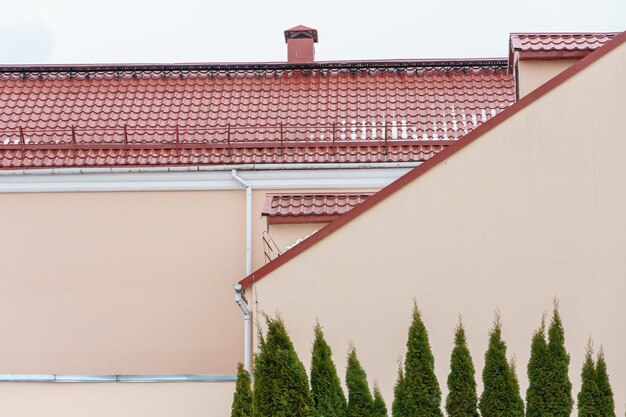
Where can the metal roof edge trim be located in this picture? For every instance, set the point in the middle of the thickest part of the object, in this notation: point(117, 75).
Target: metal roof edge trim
point(434, 161)
point(453, 63)
point(322, 218)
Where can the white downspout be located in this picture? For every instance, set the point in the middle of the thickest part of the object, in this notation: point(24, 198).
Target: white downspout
point(248, 219)
point(239, 297)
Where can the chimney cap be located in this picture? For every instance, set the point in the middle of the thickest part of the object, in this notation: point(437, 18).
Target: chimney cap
point(301, 31)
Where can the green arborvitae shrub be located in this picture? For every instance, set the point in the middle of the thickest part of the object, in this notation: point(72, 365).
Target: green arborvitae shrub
point(379, 409)
point(517, 403)
point(497, 399)
point(328, 395)
point(242, 399)
point(281, 386)
point(606, 403)
point(397, 409)
point(589, 395)
point(360, 400)
point(559, 401)
point(422, 396)
point(538, 387)
point(462, 399)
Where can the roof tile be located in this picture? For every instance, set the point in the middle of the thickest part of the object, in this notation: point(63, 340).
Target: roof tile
point(576, 45)
point(190, 116)
point(307, 208)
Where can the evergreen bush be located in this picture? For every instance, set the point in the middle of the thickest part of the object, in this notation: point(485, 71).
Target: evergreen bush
point(589, 395)
point(498, 398)
point(397, 409)
point(606, 403)
point(538, 386)
point(242, 399)
point(559, 401)
point(281, 386)
point(379, 409)
point(462, 399)
point(360, 402)
point(421, 393)
point(517, 403)
point(328, 395)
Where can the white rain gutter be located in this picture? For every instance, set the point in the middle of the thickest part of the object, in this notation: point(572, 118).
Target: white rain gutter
point(117, 378)
point(239, 297)
point(245, 167)
point(247, 321)
point(306, 176)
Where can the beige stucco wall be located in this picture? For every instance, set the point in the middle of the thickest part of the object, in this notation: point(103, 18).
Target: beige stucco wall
point(126, 283)
point(288, 234)
point(533, 209)
point(120, 283)
point(534, 73)
point(116, 399)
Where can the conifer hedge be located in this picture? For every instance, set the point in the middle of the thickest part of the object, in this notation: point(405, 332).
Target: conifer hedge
point(281, 386)
point(379, 408)
point(499, 397)
point(517, 403)
point(606, 403)
point(559, 401)
point(397, 408)
point(589, 395)
point(462, 399)
point(360, 401)
point(242, 399)
point(420, 392)
point(538, 388)
point(328, 395)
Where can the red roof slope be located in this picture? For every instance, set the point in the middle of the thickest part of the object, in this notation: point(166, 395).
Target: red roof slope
point(415, 173)
point(309, 208)
point(558, 45)
point(254, 113)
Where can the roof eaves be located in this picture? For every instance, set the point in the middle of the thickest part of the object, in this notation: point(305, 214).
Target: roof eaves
point(434, 161)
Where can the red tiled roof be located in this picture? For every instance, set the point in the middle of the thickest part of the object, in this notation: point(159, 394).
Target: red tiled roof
point(558, 45)
point(417, 172)
point(253, 113)
point(309, 208)
point(403, 151)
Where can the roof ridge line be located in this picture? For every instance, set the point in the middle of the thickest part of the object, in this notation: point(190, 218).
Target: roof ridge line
point(452, 63)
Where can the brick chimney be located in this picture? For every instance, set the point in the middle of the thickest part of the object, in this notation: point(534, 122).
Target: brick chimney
point(300, 48)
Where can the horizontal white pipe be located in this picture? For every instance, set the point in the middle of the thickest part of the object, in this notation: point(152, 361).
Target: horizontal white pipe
point(246, 167)
point(117, 378)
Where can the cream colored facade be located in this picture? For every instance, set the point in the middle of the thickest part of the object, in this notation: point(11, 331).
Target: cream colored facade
point(121, 283)
point(531, 74)
point(531, 210)
point(286, 235)
point(110, 399)
point(127, 282)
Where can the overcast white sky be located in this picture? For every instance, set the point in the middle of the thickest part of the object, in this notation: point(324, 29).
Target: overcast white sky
point(108, 31)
